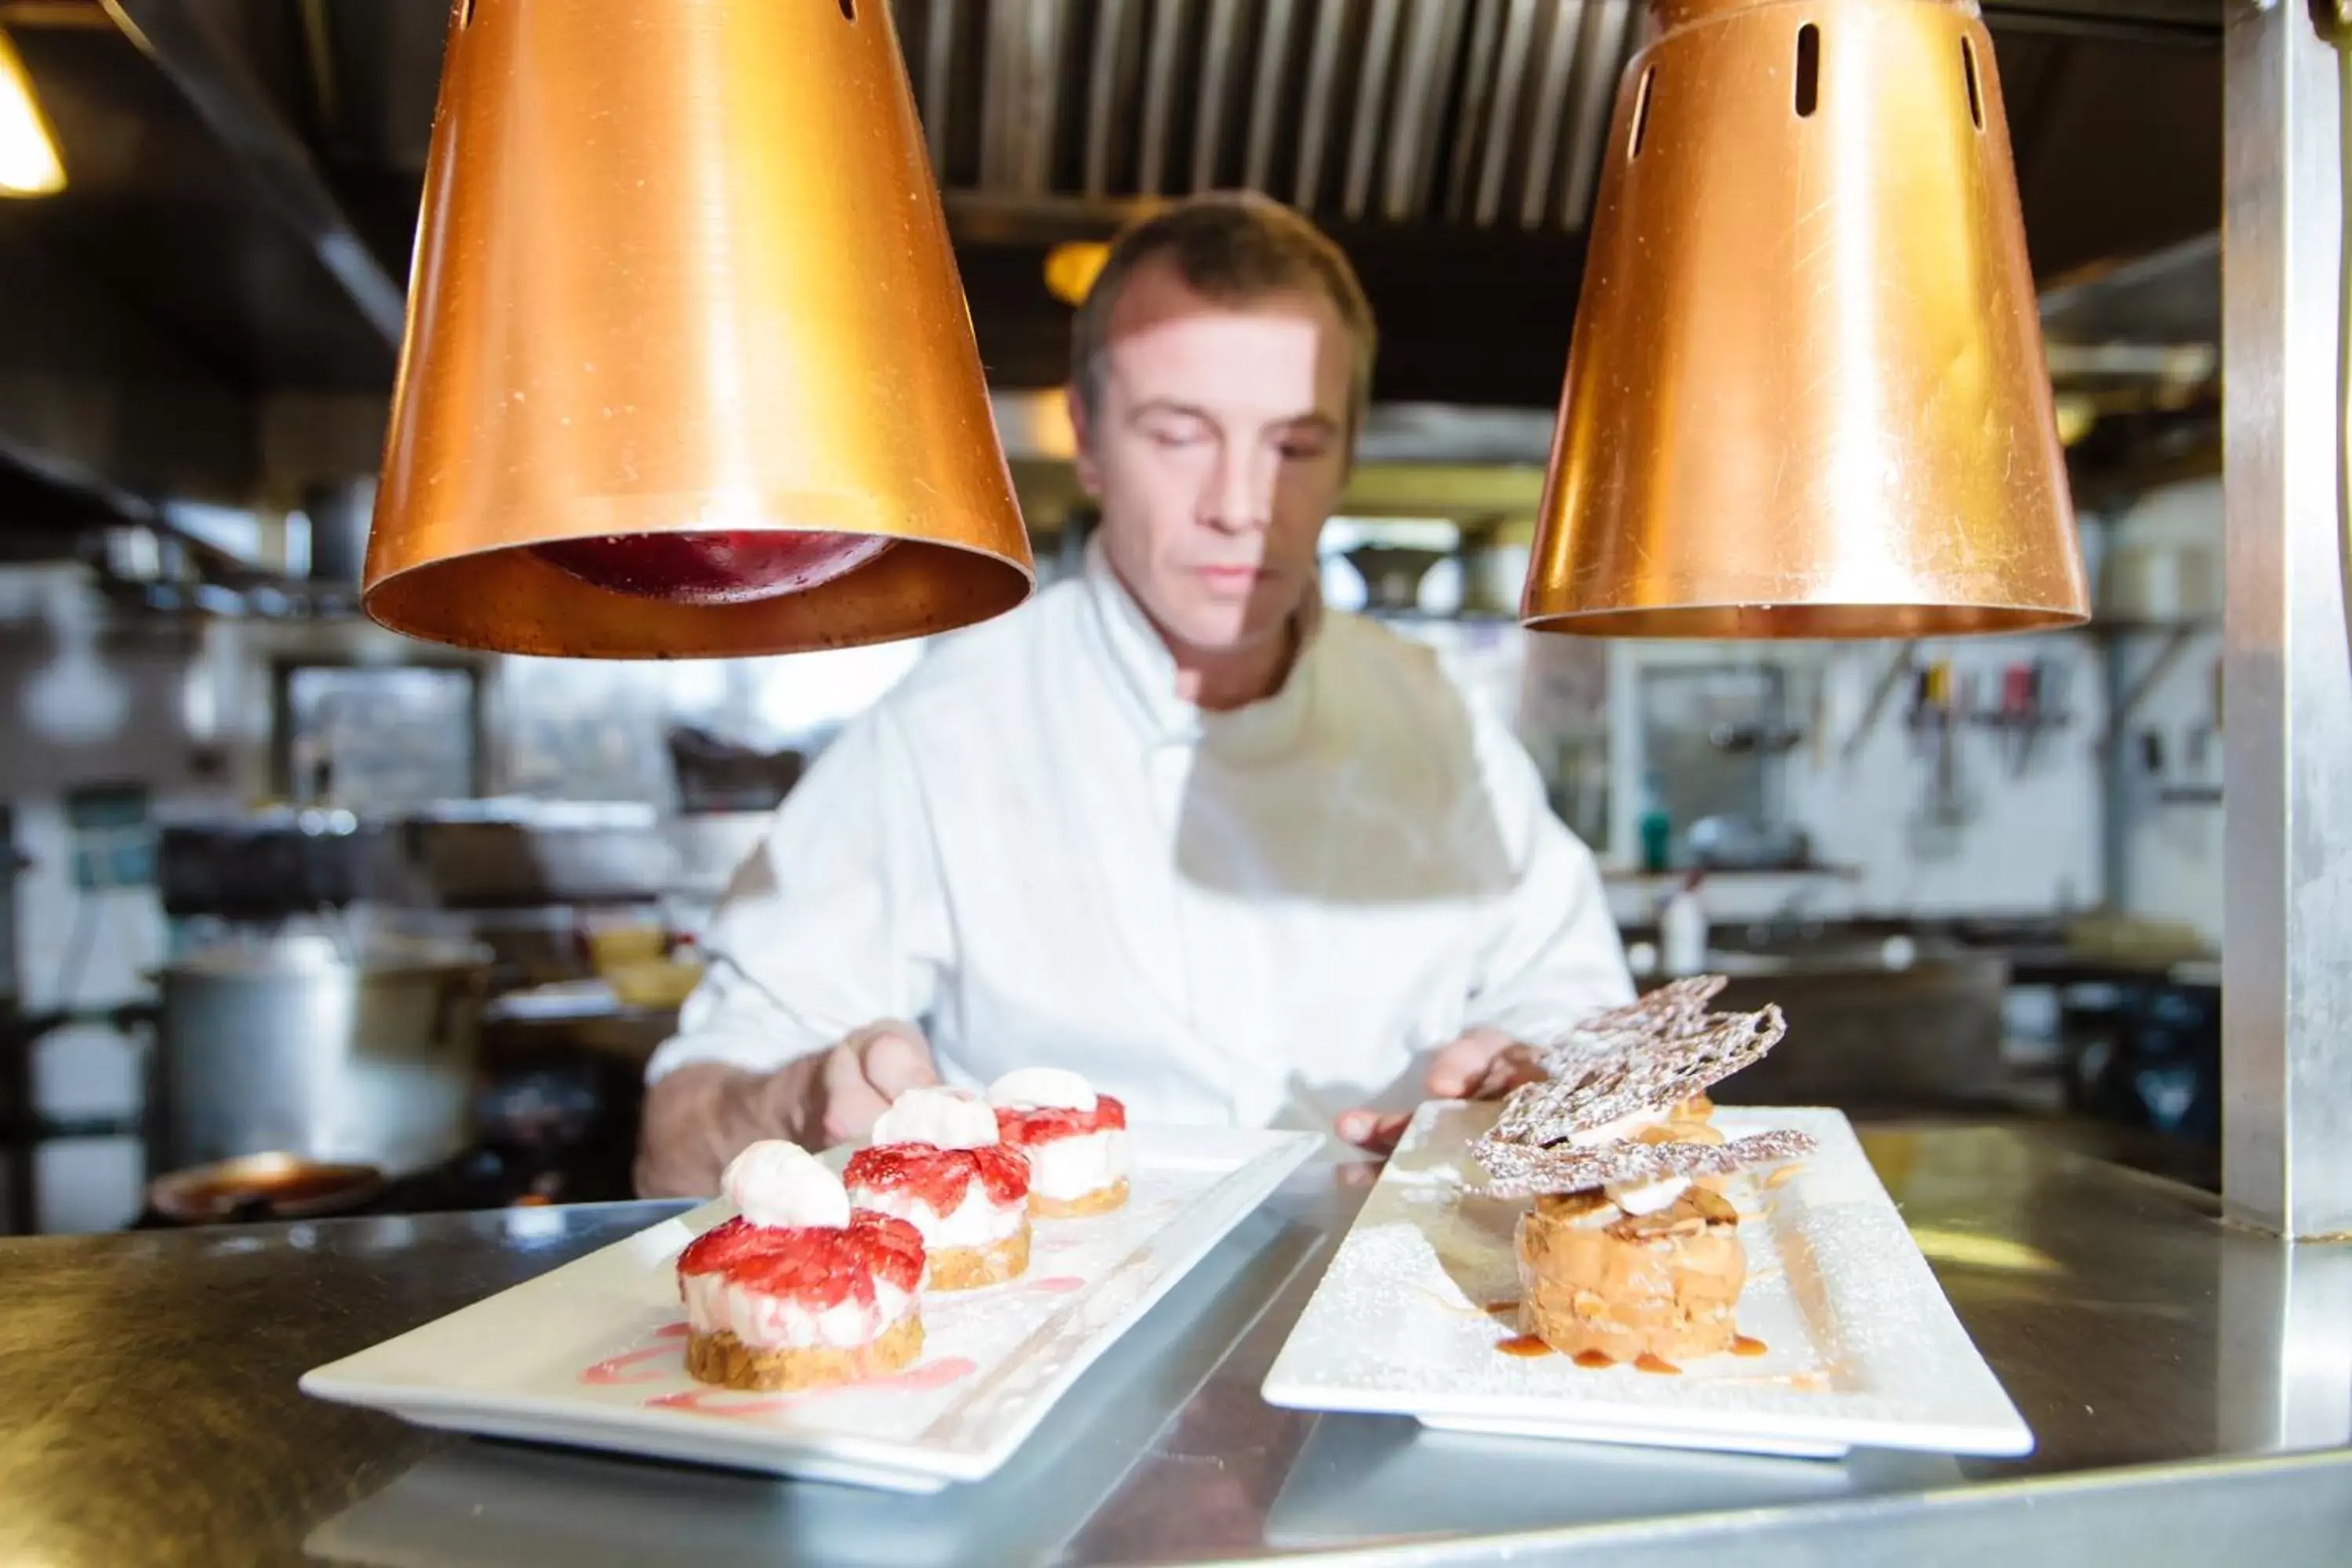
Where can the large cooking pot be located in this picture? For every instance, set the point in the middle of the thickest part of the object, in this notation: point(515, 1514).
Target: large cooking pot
point(294, 1045)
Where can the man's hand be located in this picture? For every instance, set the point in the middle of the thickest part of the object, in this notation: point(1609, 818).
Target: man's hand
point(857, 1080)
point(1482, 1064)
point(702, 1115)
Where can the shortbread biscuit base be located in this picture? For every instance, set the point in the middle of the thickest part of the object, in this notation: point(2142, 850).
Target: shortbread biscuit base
point(971, 1267)
point(1102, 1200)
point(723, 1359)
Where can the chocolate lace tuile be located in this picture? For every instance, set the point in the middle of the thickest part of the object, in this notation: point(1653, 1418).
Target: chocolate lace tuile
point(1648, 1057)
point(1677, 1057)
point(1521, 1171)
point(1675, 1008)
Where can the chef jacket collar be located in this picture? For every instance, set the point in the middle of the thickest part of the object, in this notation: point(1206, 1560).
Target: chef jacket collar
point(1143, 676)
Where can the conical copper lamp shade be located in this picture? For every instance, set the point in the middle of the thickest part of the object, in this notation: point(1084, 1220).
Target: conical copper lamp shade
point(1807, 395)
point(688, 370)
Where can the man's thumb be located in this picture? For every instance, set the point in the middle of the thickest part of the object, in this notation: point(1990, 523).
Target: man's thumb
point(895, 1059)
point(1458, 1067)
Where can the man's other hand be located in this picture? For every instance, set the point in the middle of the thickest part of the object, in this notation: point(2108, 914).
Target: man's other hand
point(703, 1114)
point(859, 1077)
point(1481, 1064)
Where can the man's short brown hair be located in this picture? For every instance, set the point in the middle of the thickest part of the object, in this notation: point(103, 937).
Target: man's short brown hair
point(1234, 248)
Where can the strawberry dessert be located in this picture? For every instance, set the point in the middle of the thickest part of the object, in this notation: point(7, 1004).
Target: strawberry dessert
point(1075, 1139)
point(798, 1290)
point(937, 1164)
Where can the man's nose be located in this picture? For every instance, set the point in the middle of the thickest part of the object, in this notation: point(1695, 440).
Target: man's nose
point(1241, 493)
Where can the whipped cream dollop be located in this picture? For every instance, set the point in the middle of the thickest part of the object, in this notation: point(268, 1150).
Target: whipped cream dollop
point(1038, 1089)
point(1649, 1197)
point(773, 1182)
point(942, 1117)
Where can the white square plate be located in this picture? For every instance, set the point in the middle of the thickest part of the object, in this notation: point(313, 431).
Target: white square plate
point(1862, 1350)
point(592, 1354)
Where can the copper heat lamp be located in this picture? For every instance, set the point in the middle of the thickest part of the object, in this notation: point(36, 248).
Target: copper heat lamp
point(1807, 395)
point(688, 370)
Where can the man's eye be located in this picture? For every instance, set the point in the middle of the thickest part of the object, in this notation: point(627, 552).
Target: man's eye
point(1174, 436)
point(1303, 451)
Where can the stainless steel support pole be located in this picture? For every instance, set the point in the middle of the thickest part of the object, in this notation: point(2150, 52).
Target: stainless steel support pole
point(2286, 1033)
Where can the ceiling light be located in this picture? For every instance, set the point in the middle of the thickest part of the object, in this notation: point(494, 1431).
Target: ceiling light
point(1072, 267)
point(30, 165)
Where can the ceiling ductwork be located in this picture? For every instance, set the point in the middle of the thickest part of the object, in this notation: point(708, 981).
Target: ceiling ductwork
point(1480, 112)
point(226, 263)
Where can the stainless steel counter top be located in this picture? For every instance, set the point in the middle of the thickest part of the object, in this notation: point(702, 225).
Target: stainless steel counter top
point(2190, 1388)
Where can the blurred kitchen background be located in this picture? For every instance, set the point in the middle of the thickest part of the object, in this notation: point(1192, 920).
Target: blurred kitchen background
point(257, 849)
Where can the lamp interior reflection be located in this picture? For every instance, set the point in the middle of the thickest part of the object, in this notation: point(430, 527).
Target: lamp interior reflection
point(733, 566)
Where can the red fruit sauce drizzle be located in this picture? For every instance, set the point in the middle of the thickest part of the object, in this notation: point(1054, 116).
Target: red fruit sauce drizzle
point(635, 1367)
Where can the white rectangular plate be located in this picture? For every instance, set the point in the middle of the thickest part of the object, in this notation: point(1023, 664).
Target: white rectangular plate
point(592, 1354)
point(1862, 1348)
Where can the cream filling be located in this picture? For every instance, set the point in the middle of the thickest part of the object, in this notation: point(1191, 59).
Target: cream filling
point(977, 1221)
point(1065, 1169)
point(1621, 1130)
point(783, 1322)
point(1648, 1197)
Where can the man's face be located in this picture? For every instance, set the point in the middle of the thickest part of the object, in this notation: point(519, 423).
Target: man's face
point(1220, 446)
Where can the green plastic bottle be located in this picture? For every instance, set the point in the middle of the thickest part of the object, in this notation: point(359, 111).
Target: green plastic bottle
point(1657, 827)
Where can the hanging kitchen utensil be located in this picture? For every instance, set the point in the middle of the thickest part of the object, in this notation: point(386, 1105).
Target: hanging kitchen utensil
point(688, 370)
point(1807, 394)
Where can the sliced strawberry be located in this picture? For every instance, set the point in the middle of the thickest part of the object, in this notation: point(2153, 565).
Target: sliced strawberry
point(891, 1247)
point(721, 1246)
point(1003, 1172)
point(1048, 1123)
point(934, 1176)
point(819, 1267)
point(940, 1178)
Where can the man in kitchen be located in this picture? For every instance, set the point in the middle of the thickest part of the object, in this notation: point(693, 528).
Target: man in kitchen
point(1172, 824)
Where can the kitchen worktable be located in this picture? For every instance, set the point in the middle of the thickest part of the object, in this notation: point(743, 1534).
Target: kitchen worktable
point(2190, 1386)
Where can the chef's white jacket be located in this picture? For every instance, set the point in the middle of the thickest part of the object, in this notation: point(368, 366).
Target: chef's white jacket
point(1263, 917)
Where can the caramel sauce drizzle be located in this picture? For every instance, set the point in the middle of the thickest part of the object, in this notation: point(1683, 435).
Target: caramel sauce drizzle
point(1532, 1346)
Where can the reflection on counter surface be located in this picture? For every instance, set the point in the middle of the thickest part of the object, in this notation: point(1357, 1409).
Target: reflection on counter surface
point(2181, 1379)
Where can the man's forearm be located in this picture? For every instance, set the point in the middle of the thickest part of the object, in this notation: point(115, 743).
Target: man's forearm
point(699, 1116)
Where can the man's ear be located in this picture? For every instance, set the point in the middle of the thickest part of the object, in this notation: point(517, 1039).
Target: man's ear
point(1089, 473)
